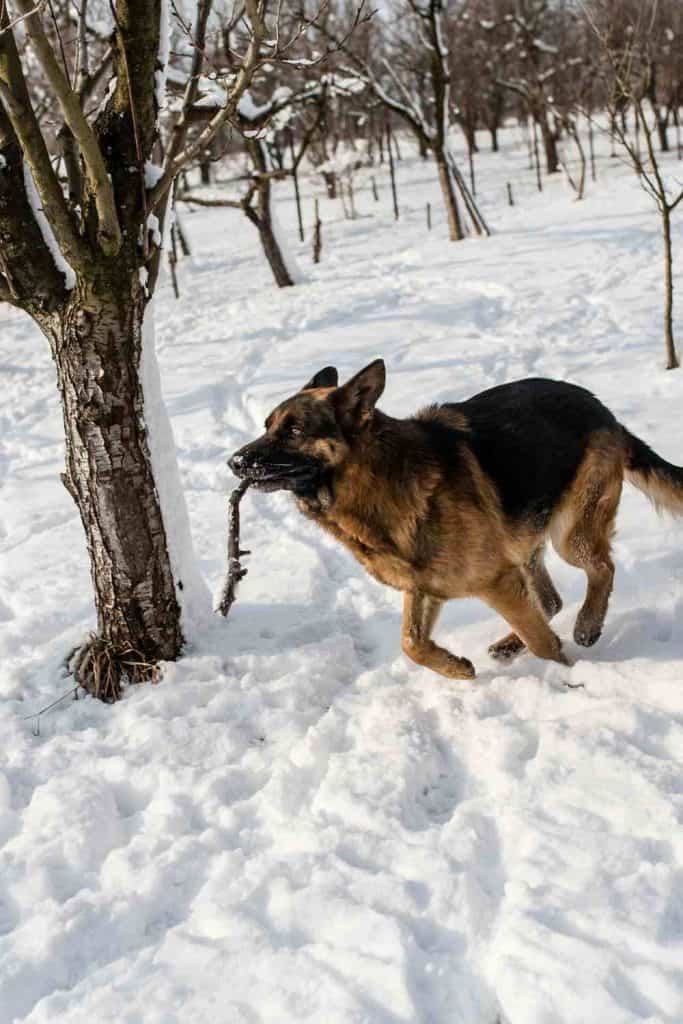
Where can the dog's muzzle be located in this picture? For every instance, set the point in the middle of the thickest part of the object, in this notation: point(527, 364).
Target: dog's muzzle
point(269, 469)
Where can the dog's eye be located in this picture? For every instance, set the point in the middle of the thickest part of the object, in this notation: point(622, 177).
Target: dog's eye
point(295, 431)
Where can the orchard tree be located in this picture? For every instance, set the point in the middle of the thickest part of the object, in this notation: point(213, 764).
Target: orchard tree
point(626, 63)
point(533, 45)
point(404, 58)
point(80, 247)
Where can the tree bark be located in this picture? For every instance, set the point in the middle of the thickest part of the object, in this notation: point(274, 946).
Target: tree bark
point(455, 231)
point(96, 341)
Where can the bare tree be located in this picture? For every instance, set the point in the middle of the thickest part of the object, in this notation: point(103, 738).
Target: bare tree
point(533, 27)
point(405, 61)
point(626, 69)
point(81, 255)
point(260, 126)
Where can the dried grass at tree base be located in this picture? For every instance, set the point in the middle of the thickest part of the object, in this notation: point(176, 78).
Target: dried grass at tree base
point(101, 668)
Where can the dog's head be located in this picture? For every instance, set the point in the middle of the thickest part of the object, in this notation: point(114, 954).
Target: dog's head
point(312, 433)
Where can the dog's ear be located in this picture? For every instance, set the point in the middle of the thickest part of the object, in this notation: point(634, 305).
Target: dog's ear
point(355, 401)
point(325, 378)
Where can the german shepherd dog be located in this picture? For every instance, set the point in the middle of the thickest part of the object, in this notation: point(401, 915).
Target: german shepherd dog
point(459, 500)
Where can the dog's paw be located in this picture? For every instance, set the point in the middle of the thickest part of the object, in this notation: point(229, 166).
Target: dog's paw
point(507, 648)
point(554, 606)
point(459, 668)
point(587, 635)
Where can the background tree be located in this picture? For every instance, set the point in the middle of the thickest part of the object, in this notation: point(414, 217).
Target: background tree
point(404, 59)
point(626, 68)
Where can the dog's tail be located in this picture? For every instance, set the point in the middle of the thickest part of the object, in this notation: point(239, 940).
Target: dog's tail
point(660, 480)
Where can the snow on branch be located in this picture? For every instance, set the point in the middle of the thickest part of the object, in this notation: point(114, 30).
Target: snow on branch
point(230, 102)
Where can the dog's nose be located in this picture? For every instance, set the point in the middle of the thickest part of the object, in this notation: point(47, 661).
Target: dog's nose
point(236, 463)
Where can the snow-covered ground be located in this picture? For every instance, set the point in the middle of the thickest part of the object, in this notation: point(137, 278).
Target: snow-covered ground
point(298, 824)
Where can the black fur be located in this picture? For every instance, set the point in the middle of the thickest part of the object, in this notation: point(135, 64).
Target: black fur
point(529, 437)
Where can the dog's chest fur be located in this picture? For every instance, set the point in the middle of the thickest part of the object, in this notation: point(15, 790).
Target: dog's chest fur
point(382, 526)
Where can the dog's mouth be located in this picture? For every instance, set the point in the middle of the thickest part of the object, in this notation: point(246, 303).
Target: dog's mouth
point(281, 477)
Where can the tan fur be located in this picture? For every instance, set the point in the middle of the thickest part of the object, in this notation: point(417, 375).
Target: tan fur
point(478, 553)
point(663, 494)
point(436, 532)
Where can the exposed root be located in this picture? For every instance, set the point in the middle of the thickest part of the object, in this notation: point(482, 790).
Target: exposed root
point(101, 667)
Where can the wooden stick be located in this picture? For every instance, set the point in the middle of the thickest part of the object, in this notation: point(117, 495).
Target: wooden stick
point(235, 570)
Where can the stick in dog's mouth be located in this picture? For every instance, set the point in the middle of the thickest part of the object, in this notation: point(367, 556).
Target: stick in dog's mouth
point(236, 571)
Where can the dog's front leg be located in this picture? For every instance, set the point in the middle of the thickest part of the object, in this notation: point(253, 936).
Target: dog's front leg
point(420, 612)
point(510, 597)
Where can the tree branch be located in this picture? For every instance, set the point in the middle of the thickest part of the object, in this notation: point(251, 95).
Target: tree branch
point(109, 232)
point(181, 125)
point(173, 165)
point(15, 100)
point(188, 197)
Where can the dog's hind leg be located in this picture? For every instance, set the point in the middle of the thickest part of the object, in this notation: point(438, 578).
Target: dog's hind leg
point(583, 537)
point(511, 597)
point(420, 612)
point(538, 579)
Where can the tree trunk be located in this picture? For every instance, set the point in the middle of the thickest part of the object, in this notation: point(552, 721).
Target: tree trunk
point(97, 345)
point(330, 179)
point(455, 231)
point(273, 253)
point(262, 217)
point(494, 139)
point(582, 162)
point(468, 130)
point(263, 223)
point(552, 159)
point(671, 356)
point(663, 132)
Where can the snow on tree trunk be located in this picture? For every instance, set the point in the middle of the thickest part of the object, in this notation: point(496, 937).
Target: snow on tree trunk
point(193, 596)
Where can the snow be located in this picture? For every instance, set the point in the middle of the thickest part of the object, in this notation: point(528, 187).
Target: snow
point(154, 229)
point(297, 824)
point(213, 93)
point(193, 597)
point(250, 110)
point(153, 173)
point(544, 47)
point(163, 54)
point(46, 229)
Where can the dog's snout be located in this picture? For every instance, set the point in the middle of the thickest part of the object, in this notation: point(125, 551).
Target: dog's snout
point(236, 463)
